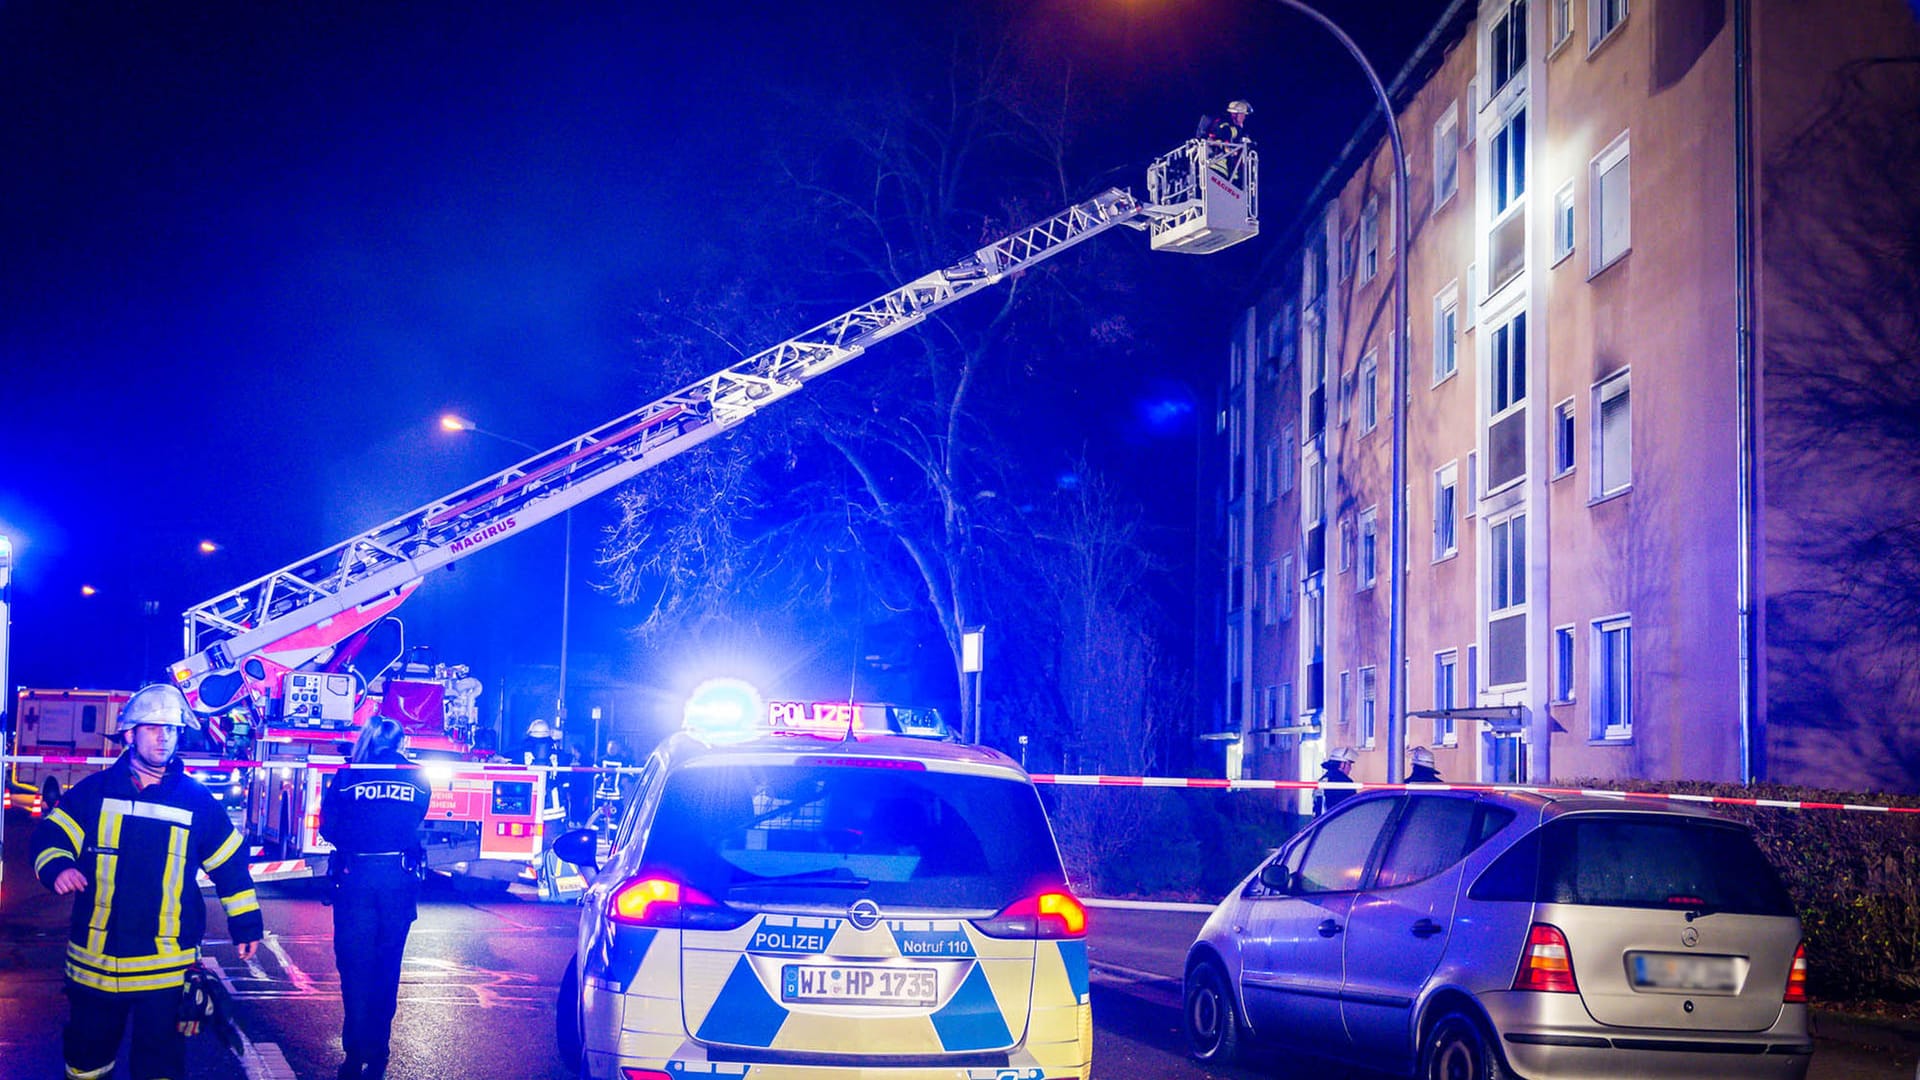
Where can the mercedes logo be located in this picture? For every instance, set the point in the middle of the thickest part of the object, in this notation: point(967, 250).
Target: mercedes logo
point(1689, 937)
point(864, 914)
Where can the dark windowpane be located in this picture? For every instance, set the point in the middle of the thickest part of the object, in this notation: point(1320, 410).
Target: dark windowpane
point(1339, 850)
point(1657, 862)
point(1433, 834)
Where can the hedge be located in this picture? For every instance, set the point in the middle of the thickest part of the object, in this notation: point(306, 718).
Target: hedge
point(1854, 875)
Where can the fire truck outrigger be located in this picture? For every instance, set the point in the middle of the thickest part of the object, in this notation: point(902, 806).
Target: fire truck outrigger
point(299, 659)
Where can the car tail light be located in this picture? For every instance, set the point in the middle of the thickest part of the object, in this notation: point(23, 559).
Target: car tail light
point(661, 901)
point(1547, 965)
point(1797, 977)
point(1047, 915)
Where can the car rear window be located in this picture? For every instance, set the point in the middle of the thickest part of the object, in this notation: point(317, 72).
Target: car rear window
point(756, 835)
point(1638, 860)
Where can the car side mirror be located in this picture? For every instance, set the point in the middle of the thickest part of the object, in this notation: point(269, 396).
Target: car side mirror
point(1277, 877)
point(581, 847)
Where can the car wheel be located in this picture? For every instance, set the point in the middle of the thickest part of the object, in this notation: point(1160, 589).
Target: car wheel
point(1458, 1049)
point(566, 1022)
point(1213, 1024)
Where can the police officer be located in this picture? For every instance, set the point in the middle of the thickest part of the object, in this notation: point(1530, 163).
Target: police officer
point(125, 843)
point(372, 817)
point(1423, 771)
point(1337, 769)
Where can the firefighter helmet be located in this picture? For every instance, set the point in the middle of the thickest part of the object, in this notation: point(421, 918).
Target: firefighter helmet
point(1422, 756)
point(539, 729)
point(1344, 754)
point(1240, 105)
point(160, 705)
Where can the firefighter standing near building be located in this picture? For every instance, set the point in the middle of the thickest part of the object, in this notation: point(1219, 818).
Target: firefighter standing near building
point(1337, 769)
point(126, 843)
point(372, 817)
point(1423, 771)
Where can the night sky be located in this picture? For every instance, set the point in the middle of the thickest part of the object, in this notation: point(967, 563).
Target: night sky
point(250, 252)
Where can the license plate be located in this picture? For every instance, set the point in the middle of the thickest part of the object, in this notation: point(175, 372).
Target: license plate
point(1678, 971)
point(858, 984)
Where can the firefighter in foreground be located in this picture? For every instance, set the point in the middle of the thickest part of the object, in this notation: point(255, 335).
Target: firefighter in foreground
point(372, 817)
point(126, 843)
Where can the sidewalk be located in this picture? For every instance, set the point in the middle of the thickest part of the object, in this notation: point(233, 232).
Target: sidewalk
point(33, 936)
point(1878, 1032)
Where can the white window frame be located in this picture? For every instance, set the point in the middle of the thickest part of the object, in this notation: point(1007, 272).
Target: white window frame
point(1599, 29)
point(1368, 387)
point(1472, 485)
point(1446, 511)
point(1505, 14)
point(1618, 154)
point(1609, 481)
point(1346, 697)
point(1346, 397)
point(1269, 707)
point(1446, 333)
point(1611, 719)
point(1369, 554)
point(1565, 438)
point(1515, 363)
point(1287, 587)
point(1369, 699)
point(1269, 593)
point(1446, 156)
point(1349, 251)
point(1517, 166)
point(1270, 472)
point(1445, 730)
point(1563, 223)
point(1369, 240)
point(1346, 543)
point(1513, 603)
point(1563, 655)
point(1561, 24)
point(1288, 454)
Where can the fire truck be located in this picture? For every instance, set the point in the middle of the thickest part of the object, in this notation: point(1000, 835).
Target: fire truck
point(296, 661)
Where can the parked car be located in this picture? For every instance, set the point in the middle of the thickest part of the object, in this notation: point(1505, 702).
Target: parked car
point(793, 906)
point(1475, 935)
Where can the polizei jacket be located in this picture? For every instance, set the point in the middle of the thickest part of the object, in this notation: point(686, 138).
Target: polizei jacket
point(137, 924)
point(375, 811)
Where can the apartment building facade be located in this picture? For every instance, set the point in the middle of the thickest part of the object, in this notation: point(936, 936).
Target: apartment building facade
point(1652, 248)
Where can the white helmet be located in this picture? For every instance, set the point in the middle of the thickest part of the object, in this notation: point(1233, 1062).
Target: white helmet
point(1240, 105)
point(1345, 754)
point(161, 705)
point(539, 730)
point(1422, 756)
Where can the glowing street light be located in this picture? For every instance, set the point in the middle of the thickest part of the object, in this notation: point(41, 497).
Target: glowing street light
point(208, 547)
point(88, 590)
point(454, 422)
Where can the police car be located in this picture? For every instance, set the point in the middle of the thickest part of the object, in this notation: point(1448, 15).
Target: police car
point(820, 896)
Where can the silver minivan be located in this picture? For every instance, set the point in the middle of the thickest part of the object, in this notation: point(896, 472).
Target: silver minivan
point(1472, 935)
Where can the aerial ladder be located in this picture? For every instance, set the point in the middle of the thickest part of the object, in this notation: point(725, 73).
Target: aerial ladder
point(246, 648)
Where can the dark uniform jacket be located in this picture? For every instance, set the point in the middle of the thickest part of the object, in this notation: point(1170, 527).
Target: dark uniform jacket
point(375, 811)
point(137, 924)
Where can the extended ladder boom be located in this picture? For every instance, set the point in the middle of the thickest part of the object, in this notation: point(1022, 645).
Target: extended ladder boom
point(347, 585)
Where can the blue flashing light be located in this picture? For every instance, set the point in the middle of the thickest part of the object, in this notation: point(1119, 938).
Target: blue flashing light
point(723, 710)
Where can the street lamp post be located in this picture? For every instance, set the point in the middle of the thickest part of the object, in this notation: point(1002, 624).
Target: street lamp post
point(1397, 549)
point(453, 422)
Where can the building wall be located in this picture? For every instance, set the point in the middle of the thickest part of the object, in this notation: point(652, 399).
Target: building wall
point(1660, 553)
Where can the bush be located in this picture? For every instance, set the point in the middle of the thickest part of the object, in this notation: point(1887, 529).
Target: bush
point(1854, 875)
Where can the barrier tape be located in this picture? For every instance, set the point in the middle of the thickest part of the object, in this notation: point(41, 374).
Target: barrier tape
point(1209, 783)
point(327, 762)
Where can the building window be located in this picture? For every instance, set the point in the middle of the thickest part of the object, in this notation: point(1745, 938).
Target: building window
point(1507, 394)
point(1609, 185)
point(1269, 586)
point(1612, 436)
point(1603, 18)
point(1446, 511)
point(1562, 22)
point(1446, 332)
point(1612, 716)
point(1509, 367)
point(1284, 595)
point(1369, 547)
point(1288, 452)
point(1349, 252)
point(1563, 438)
point(1506, 600)
point(1368, 691)
point(1233, 651)
point(1346, 697)
point(1446, 156)
point(1445, 679)
point(1563, 222)
point(1283, 712)
point(1473, 483)
point(1563, 663)
point(1369, 393)
point(1369, 241)
point(1270, 472)
point(1510, 162)
point(1269, 708)
point(1346, 544)
point(1507, 44)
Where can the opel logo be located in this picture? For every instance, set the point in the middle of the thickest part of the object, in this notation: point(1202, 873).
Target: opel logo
point(864, 914)
point(1689, 937)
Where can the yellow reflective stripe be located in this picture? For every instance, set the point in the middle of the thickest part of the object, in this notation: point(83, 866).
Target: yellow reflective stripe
point(89, 1074)
point(224, 852)
point(49, 855)
point(127, 983)
point(172, 880)
point(116, 964)
point(240, 903)
point(105, 867)
point(75, 837)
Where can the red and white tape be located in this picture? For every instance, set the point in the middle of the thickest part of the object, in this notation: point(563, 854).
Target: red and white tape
point(1211, 783)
